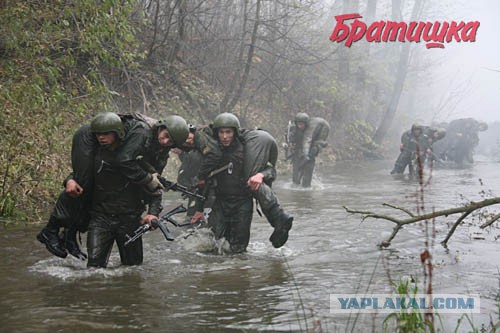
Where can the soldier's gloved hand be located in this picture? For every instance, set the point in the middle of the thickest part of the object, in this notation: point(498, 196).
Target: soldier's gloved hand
point(154, 184)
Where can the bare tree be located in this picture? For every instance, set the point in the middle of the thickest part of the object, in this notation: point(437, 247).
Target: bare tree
point(399, 82)
point(241, 76)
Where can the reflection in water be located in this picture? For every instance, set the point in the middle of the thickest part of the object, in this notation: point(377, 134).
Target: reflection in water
point(182, 287)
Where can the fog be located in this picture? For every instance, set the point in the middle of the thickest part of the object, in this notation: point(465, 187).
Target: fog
point(463, 79)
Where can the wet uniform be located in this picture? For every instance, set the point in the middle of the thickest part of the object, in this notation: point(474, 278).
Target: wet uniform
point(232, 210)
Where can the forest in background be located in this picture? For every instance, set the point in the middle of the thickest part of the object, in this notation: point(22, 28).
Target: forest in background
point(61, 62)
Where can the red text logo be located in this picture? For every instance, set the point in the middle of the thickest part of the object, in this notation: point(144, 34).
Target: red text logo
point(434, 34)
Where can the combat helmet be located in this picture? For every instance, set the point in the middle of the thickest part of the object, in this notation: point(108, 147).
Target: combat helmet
point(417, 126)
point(302, 117)
point(227, 119)
point(108, 122)
point(177, 128)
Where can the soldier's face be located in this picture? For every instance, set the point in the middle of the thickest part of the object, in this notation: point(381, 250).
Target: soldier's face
point(226, 136)
point(190, 140)
point(164, 138)
point(301, 125)
point(106, 139)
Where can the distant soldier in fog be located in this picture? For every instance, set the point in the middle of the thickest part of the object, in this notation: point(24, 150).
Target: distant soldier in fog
point(306, 136)
point(432, 135)
point(417, 145)
point(461, 140)
point(412, 142)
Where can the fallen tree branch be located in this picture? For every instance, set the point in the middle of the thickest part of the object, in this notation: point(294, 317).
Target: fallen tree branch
point(400, 222)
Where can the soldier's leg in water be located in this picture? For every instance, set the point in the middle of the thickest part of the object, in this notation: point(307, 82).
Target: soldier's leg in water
point(70, 243)
point(216, 221)
point(296, 171)
point(308, 169)
point(132, 254)
point(100, 238)
point(275, 215)
point(78, 221)
point(239, 227)
point(401, 162)
point(49, 235)
point(469, 157)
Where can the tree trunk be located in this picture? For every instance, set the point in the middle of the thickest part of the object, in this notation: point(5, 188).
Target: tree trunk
point(246, 72)
point(230, 89)
point(181, 15)
point(343, 68)
point(371, 10)
point(397, 89)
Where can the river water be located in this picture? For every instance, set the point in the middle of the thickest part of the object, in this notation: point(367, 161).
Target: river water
point(181, 288)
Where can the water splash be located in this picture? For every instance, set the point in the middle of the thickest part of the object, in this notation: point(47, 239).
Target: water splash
point(71, 269)
point(200, 240)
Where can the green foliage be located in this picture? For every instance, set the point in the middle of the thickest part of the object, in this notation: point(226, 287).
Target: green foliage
point(53, 56)
point(407, 321)
point(7, 205)
point(359, 143)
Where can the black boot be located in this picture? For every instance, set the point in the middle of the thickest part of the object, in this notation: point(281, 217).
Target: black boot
point(71, 244)
point(49, 237)
point(282, 223)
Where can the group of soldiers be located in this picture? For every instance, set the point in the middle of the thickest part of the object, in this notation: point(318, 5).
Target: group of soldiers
point(115, 185)
point(117, 161)
point(453, 142)
point(462, 137)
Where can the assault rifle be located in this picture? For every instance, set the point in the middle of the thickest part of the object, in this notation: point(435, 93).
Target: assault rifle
point(169, 185)
point(167, 217)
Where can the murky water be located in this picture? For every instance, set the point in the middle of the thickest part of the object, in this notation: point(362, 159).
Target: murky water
point(329, 251)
